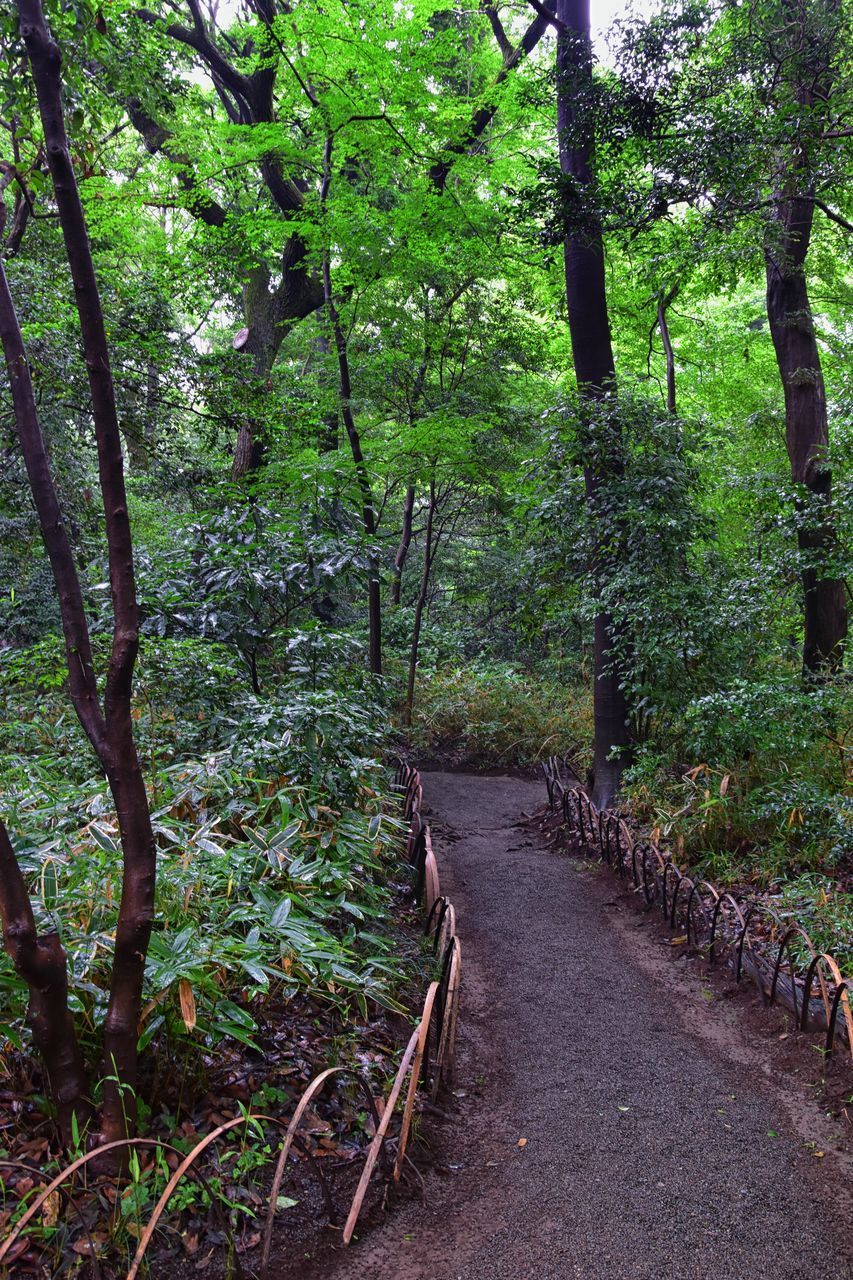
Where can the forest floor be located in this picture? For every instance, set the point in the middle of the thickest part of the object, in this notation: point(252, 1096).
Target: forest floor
point(616, 1115)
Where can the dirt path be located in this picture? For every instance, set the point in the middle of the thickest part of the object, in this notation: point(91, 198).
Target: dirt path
point(651, 1152)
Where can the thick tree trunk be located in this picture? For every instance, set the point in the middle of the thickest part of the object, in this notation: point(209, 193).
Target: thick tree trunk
point(592, 353)
point(249, 99)
point(260, 340)
point(806, 426)
point(429, 555)
point(269, 316)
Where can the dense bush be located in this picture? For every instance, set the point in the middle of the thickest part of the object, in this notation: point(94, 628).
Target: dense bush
point(493, 713)
point(752, 788)
point(275, 837)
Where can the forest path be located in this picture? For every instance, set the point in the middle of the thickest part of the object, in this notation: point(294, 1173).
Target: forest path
point(651, 1150)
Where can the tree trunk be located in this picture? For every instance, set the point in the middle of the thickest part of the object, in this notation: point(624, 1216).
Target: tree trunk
point(663, 305)
point(368, 509)
point(404, 544)
point(592, 353)
point(110, 729)
point(409, 501)
point(806, 426)
point(328, 442)
point(260, 339)
point(429, 555)
point(41, 961)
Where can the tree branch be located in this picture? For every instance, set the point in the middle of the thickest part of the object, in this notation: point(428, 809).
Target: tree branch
point(197, 38)
point(550, 18)
point(833, 216)
point(483, 117)
point(491, 12)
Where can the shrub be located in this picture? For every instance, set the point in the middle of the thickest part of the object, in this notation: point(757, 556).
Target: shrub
point(762, 790)
point(492, 713)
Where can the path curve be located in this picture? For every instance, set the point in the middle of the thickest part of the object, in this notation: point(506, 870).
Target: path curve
point(650, 1152)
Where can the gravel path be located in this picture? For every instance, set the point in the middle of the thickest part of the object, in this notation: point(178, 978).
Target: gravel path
point(647, 1150)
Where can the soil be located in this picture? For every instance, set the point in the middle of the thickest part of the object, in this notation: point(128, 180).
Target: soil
point(616, 1113)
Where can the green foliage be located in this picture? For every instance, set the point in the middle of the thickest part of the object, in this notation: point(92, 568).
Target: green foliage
point(273, 864)
point(638, 546)
point(243, 576)
point(400, 149)
point(487, 714)
point(761, 793)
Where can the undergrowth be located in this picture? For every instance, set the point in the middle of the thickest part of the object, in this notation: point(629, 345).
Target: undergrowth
point(277, 948)
point(752, 789)
point(489, 713)
point(274, 848)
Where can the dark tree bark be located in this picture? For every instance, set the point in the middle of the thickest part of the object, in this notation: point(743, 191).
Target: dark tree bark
point(811, 38)
point(109, 727)
point(429, 556)
point(368, 508)
point(329, 441)
point(592, 353)
point(267, 315)
point(41, 961)
point(22, 209)
point(791, 320)
point(414, 411)
point(483, 116)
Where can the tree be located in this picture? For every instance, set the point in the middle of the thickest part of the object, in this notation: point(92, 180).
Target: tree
point(742, 114)
point(270, 76)
point(40, 959)
point(592, 352)
point(806, 38)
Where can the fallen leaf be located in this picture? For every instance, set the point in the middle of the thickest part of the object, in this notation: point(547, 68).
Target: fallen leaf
point(18, 1249)
point(90, 1245)
point(677, 942)
point(818, 1155)
point(285, 1202)
point(50, 1209)
point(623, 1108)
point(522, 1142)
point(249, 1242)
point(187, 999)
point(312, 1123)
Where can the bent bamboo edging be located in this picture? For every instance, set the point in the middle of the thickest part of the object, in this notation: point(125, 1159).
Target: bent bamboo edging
point(441, 1000)
point(606, 835)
